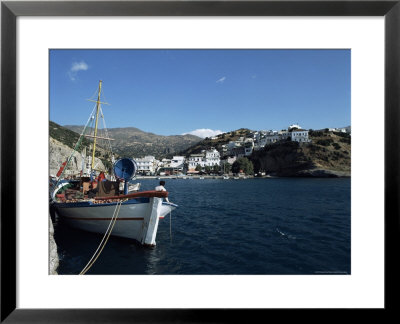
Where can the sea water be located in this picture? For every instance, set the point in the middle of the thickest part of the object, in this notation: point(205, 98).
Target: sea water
point(251, 226)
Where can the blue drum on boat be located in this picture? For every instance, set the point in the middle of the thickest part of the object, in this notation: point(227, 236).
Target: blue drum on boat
point(125, 169)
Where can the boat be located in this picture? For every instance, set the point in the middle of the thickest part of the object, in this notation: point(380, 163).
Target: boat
point(226, 178)
point(84, 204)
point(201, 178)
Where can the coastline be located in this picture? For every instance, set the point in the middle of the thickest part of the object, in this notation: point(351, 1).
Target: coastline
point(317, 173)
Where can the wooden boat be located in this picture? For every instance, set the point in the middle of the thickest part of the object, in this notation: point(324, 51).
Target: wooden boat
point(91, 208)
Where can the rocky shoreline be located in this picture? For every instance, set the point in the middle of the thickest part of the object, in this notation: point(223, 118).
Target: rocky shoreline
point(313, 173)
point(322, 173)
point(53, 255)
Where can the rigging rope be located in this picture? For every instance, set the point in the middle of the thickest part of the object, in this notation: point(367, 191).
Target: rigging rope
point(102, 93)
point(106, 131)
point(94, 95)
point(105, 238)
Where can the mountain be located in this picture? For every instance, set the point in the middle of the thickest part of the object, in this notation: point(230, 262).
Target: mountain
point(133, 142)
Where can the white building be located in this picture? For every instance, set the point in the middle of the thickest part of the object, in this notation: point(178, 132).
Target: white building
point(194, 160)
point(267, 137)
point(343, 130)
point(233, 144)
point(294, 132)
point(300, 135)
point(146, 165)
point(178, 162)
point(297, 134)
point(206, 158)
point(172, 166)
point(212, 157)
point(165, 163)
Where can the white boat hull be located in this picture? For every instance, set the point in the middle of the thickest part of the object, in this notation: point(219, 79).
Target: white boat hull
point(137, 219)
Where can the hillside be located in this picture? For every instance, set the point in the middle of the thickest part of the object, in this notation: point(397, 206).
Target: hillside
point(217, 142)
point(69, 138)
point(329, 155)
point(59, 152)
point(64, 135)
point(133, 142)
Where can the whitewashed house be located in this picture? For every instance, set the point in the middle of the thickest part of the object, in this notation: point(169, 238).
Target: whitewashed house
point(194, 160)
point(206, 158)
point(232, 144)
point(300, 135)
point(146, 165)
point(294, 133)
point(297, 134)
point(212, 157)
point(165, 163)
point(173, 166)
point(177, 164)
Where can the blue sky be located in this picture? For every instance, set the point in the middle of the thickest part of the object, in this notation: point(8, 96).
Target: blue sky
point(170, 92)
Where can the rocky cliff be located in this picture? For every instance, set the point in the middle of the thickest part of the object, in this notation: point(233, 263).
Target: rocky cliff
point(59, 153)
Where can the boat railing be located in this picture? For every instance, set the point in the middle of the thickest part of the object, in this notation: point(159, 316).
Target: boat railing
point(141, 194)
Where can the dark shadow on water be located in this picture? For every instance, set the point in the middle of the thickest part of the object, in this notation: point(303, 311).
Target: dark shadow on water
point(76, 247)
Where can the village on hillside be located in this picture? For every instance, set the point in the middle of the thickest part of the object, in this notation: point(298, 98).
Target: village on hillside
point(216, 161)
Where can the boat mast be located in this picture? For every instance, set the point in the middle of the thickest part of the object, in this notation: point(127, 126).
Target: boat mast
point(95, 128)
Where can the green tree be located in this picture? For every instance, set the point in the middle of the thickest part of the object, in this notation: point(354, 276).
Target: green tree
point(226, 167)
point(243, 164)
point(207, 169)
point(198, 167)
point(216, 168)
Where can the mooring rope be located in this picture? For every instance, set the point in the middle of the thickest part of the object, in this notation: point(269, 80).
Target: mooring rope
point(105, 238)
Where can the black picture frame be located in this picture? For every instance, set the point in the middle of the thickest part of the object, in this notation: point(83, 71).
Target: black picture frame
point(10, 10)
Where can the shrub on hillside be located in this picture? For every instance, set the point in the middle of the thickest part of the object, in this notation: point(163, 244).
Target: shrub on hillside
point(345, 140)
point(325, 142)
point(313, 133)
point(341, 134)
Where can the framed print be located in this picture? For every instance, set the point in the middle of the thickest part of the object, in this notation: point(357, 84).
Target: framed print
point(212, 66)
